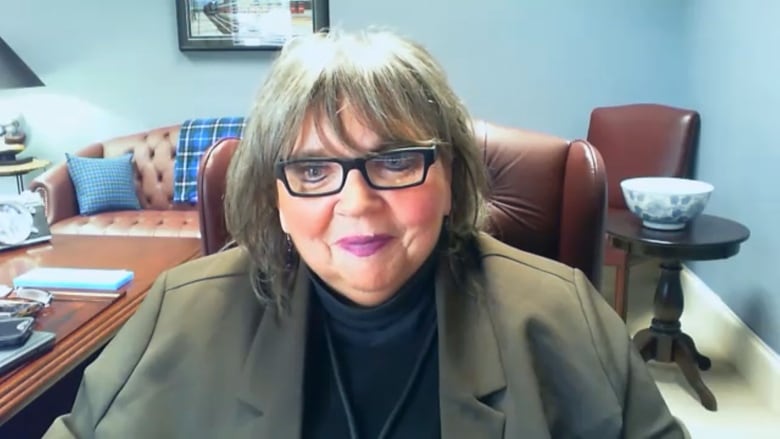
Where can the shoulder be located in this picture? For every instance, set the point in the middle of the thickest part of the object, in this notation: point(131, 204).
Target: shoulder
point(221, 267)
point(551, 324)
point(523, 287)
point(206, 304)
point(551, 308)
point(207, 289)
point(505, 264)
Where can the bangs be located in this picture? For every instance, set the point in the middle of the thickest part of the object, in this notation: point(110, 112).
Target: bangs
point(386, 92)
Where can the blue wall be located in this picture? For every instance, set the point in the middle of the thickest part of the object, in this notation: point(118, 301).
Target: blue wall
point(733, 54)
point(114, 68)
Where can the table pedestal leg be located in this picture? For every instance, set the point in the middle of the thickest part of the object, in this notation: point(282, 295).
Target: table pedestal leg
point(664, 341)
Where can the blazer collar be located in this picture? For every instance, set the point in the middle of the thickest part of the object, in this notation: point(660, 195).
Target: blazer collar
point(470, 369)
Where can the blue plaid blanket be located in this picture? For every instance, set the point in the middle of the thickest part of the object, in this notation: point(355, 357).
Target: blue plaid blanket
point(195, 137)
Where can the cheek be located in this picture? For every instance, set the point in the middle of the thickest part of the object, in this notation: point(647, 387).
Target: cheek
point(302, 217)
point(424, 205)
point(416, 209)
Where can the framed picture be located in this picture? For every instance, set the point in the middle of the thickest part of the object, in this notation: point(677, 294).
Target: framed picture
point(247, 24)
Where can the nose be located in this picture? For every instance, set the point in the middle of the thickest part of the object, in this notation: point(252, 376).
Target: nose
point(356, 196)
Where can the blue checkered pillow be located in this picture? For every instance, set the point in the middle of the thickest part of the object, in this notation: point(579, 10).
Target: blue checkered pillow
point(103, 184)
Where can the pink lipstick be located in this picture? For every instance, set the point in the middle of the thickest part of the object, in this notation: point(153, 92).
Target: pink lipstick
point(364, 245)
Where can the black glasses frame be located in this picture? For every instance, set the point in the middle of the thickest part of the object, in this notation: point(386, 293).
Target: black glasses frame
point(429, 157)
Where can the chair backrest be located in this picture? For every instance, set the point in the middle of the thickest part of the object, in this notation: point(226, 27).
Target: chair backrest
point(548, 195)
point(643, 140)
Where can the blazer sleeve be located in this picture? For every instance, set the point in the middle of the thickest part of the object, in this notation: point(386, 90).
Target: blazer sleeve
point(107, 375)
point(645, 414)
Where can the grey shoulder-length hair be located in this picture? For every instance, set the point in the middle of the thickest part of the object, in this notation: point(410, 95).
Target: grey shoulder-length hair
point(396, 88)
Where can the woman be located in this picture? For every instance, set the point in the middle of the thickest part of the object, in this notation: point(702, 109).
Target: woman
point(362, 300)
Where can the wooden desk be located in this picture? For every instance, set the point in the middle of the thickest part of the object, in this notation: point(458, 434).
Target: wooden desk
point(86, 331)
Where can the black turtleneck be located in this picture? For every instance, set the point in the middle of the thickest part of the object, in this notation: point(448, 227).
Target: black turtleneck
point(376, 350)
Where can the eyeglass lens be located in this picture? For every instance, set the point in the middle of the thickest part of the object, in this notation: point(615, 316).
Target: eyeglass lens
point(389, 170)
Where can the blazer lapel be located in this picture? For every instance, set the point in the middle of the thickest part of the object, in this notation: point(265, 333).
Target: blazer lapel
point(470, 370)
point(273, 371)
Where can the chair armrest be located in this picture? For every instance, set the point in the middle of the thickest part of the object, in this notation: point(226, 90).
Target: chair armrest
point(584, 208)
point(58, 193)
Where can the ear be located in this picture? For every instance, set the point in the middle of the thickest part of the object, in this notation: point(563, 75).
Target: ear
point(447, 207)
point(279, 194)
point(448, 171)
point(282, 222)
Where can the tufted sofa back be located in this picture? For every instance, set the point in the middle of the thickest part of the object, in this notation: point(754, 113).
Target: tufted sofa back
point(154, 152)
point(153, 155)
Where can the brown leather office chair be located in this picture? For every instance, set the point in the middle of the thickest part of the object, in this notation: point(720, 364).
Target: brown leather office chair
point(548, 195)
point(640, 140)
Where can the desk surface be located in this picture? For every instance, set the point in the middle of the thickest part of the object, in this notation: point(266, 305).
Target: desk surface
point(86, 331)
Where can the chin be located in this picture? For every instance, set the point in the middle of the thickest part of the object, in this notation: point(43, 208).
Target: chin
point(373, 288)
point(369, 297)
point(369, 288)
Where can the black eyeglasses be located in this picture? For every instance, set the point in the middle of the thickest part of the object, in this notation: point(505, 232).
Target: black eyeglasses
point(395, 169)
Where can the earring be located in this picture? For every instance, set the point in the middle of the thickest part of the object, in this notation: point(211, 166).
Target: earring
point(289, 254)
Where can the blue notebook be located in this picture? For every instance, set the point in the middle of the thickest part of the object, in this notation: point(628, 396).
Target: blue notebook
point(74, 278)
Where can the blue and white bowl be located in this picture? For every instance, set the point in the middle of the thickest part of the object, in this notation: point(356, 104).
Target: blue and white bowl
point(665, 203)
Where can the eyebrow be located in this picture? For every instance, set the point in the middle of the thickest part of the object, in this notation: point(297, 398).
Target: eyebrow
point(319, 153)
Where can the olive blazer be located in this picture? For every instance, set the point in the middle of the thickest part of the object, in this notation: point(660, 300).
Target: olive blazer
point(537, 354)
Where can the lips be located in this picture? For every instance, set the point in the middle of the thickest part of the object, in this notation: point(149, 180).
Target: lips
point(364, 245)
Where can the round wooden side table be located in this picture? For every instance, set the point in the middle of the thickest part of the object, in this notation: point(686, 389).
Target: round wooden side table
point(707, 237)
point(19, 171)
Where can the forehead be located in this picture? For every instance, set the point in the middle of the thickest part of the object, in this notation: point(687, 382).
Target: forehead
point(355, 128)
point(320, 136)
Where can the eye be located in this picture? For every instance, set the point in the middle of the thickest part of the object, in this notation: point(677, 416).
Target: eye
point(400, 161)
point(310, 172)
point(313, 172)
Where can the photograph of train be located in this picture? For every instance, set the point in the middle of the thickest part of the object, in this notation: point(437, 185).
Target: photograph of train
point(246, 24)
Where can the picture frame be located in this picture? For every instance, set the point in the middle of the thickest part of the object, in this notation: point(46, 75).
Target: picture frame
point(205, 25)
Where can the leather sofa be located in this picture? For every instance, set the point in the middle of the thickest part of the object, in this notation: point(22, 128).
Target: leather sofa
point(548, 195)
point(153, 156)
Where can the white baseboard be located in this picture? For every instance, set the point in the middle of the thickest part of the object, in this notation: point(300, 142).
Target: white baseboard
point(754, 360)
